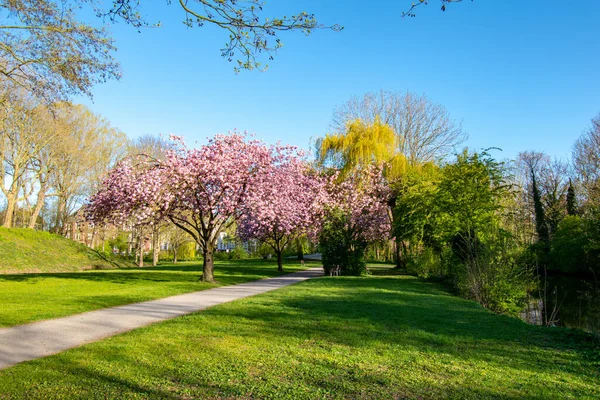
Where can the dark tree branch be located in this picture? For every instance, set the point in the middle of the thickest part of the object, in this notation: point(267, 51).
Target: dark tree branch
point(411, 11)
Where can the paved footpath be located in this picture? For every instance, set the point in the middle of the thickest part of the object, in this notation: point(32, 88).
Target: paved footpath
point(40, 339)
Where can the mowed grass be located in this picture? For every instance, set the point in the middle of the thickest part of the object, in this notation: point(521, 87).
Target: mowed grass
point(376, 337)
point(29, 251)
point(32, 297)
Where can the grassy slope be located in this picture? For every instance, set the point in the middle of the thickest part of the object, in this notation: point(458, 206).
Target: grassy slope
point(28, 250)
point(31, 297)
point(376, 337)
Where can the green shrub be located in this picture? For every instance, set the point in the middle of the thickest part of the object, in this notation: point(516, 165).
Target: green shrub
point(120, 242)
point(428, 264)
point(493, 276)
point(591, 294)
point(339, 250)
point(186, 252)
point(568, 246)
point(263, 251)
point(238, 253)
point(165, 255)
point(381, 251)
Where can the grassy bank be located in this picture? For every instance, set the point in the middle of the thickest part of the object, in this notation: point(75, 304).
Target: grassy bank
point(376, 337)
point(29, 251)
point(31, 297)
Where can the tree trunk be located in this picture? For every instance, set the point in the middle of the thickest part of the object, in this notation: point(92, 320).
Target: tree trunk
point(398, 254)
point(175, 255)
point(60, 210)
point(300, 249)
point(130, 243)
point(10, 210)
point(141, 255)
point(74, 230)
point(38, 208)
point(207, 267)
point(279, 260)
point(155, 247)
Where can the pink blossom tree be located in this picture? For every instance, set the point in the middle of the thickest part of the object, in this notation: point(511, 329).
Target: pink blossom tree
point(364, 199)
point(210, 186)
point(134, 194)
point(268, 190)
point(202, 191)
point(357, 213)
point(284, 205)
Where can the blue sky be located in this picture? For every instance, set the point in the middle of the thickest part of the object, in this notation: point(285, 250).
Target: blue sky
point(520, 75)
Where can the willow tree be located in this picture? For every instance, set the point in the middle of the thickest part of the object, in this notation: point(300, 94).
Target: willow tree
point(360, 145)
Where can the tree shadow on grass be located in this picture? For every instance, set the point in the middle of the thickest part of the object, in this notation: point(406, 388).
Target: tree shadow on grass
point(118, 277)
point(228, 377)
point(227, 273)
point(203, 355)
point(411, 313)
point(97, 385)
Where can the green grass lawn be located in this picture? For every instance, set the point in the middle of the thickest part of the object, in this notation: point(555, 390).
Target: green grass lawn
point(375, 337)
point(28, 251)
point(31, 297)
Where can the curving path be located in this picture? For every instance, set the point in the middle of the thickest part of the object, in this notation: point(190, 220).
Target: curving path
point(40, 339)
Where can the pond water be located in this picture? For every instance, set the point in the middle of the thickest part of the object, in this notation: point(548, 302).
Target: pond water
point(570, 301)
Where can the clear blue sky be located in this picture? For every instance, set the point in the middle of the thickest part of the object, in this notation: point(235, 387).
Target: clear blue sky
point(519, 74)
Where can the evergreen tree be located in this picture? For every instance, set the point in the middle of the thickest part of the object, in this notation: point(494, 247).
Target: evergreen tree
point(540, 218)
point(571, 200)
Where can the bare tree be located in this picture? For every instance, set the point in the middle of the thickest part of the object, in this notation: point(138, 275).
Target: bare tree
point(26, 133)
point(45, 161)
point(150, 146)
point(88, 147)
point(586, 160)
point(425, 132)
point(554, 184)
point(545, 182)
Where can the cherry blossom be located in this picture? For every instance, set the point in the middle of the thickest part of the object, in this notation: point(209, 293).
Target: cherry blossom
point(284, 204)
point(364, 200)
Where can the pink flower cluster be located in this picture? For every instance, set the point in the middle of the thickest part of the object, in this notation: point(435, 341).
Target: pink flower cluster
point(134, 192)
point(364, 200)
point(269, 190)
point(285, 204)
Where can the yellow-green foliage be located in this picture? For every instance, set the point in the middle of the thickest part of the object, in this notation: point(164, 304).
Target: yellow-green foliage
point(26, 250)
point(187, 251)
point(361, 145)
